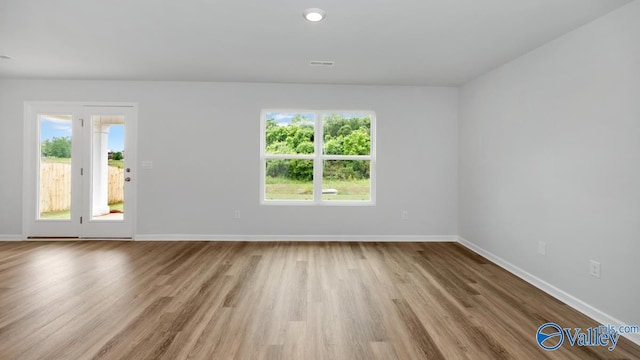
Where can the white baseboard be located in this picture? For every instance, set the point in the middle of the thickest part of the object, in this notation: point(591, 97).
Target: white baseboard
point(362, 238)
point(596, 314)
point(11, 237)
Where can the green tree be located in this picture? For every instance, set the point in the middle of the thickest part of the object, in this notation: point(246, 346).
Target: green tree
point(302, 170)
point(59, 147)
point(342, 136)
point(334, 146)
point(277, 168)
point(305, 147)
point(280, 147)
point(332, 124)
point(45, 148)
point(117, 155)
point(345, 130)
point(299, 134)
point(276, 133)
point(357, 143)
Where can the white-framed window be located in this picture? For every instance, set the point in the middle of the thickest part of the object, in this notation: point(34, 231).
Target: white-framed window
point(317, 157)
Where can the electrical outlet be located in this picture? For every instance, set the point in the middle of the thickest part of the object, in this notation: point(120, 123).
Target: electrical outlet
point(236, 214)
point(594, 268)
point(542, 248)
point(404, 215)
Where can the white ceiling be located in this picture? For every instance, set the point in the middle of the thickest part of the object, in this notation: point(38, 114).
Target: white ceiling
point(400, 42)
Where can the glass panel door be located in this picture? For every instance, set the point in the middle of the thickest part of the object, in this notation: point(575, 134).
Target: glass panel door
point(107, 167)
point(78, 172)
point(54, 180)
point(109, 161)
point(52, 177)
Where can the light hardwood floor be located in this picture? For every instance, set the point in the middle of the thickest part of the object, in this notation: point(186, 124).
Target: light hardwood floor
point(233, 300)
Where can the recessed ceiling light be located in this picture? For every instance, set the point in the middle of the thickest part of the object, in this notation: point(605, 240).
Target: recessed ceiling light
point(314, 14)
point(5, 57)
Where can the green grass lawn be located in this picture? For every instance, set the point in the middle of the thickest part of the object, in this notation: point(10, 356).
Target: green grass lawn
point(50, 160)
point(117, 206)
point(56, 215)
point(287, 189)
point(117, 163)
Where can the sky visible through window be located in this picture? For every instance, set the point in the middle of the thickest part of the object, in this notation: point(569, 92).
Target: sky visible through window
point(284, 119)
point(51, 128)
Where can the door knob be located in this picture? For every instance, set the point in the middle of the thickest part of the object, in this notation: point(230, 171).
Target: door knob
point(127, 179)
point(128, 170)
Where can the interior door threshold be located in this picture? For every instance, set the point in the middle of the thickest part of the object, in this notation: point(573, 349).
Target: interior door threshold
point(76, 238)
point(52, 238)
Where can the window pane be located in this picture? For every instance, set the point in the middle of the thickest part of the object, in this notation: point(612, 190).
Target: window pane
point(346, 180)
point(107, 167)
point(289, 133)
point(289, 180)
point(347, 134)
point(55, 167)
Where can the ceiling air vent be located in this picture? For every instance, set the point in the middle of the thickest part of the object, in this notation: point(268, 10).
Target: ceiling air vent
point(321, 63)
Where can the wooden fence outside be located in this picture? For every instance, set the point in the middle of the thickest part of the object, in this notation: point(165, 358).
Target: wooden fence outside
point(55, 186)
point(116, 185)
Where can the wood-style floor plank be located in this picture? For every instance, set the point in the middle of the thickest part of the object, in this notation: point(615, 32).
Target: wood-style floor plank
point(272, 300)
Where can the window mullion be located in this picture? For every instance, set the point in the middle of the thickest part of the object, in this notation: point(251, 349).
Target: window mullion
point(288, 157)
point(347, 157)
point(317, 161)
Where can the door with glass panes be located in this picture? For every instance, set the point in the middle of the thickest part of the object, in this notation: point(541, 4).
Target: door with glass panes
point(79, 170)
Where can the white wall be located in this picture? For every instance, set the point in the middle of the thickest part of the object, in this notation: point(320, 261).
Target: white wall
point(203, 139)
point(550, 151)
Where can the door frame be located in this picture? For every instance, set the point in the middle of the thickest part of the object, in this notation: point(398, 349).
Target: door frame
point(30, 146)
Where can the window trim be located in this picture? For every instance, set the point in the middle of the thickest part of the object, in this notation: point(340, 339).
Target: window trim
point(318, 157)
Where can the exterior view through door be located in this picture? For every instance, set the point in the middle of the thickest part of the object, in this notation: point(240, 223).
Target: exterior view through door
point(80, 171)
point(107, 175)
